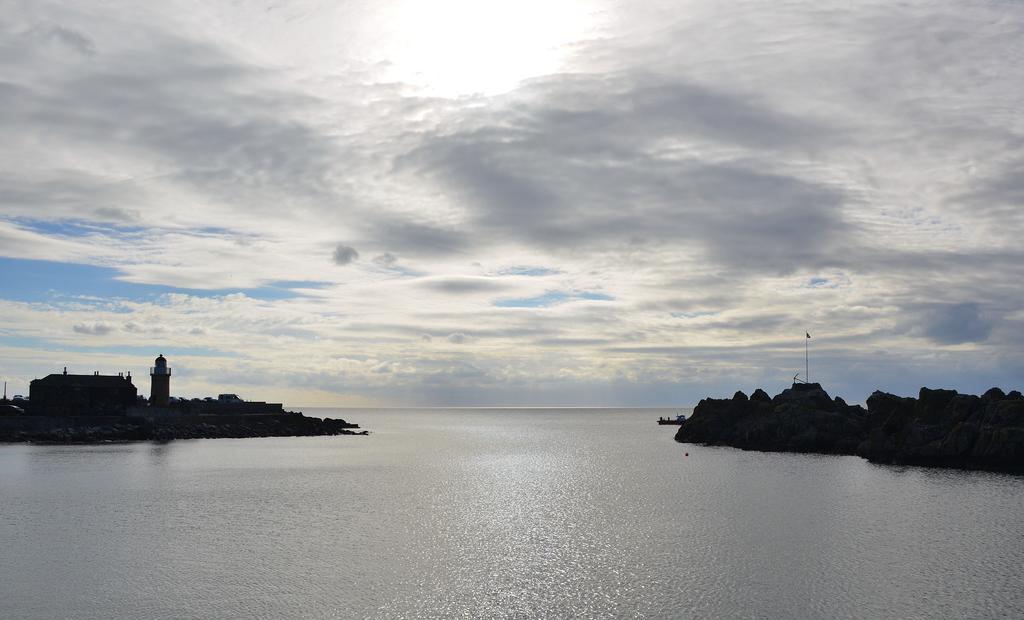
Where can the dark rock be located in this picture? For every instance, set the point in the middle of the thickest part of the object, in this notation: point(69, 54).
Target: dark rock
point(806, 395)
point(801, 419)
point(935, 399)
point(760, 396)
point(91, 429)
point(993, 394)
point(939, 428)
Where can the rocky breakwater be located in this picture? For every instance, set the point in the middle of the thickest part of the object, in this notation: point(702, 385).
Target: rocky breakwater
point(939, 428)
point(92, 429)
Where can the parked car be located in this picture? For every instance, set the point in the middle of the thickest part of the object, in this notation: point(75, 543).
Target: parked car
point(11, 410)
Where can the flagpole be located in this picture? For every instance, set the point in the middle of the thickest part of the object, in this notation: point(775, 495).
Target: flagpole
point(807, 366)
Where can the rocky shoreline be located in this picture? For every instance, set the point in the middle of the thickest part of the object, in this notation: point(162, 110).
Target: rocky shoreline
point(96, 429)
point(939, 428)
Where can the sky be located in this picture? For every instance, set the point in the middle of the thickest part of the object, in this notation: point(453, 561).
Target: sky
point(469, 203)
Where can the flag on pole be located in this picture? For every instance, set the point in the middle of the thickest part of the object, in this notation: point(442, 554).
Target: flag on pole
point(808, 334)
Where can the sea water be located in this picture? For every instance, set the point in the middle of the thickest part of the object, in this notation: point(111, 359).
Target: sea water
point(498, 513)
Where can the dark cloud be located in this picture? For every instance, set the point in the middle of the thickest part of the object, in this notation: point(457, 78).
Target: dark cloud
point(954, 323)
point(1005, 188)
point(93, 329)
point(417, 239)
point(592, 176)
point(74, 39)
point(44, 36)
point(70, 193)
point(117, 215)
point(572, 342)
point(212, 121)
point(462, 285)
point(386, 259)
point(997, 200)
point(136, 328)
point(755, 324)
point(634, 108)
point(343, 255)
point(457, 338)
point(497, 326)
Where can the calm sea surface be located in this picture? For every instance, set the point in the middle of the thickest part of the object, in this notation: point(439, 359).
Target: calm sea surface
point(498, 513)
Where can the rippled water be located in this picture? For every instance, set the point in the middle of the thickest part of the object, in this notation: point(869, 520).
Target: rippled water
point(482, 513)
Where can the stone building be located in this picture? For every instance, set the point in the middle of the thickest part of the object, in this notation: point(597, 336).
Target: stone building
point(78, 395)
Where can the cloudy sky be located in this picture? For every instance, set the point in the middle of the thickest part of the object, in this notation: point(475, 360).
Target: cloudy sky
point(557, 202)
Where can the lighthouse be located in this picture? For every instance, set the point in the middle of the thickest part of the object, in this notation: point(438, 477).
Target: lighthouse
point(160, 387)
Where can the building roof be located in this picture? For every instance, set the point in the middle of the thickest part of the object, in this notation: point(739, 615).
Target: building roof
point(84, 380)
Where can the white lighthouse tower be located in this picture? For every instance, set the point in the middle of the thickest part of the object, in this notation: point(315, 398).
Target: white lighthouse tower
point(160, 384)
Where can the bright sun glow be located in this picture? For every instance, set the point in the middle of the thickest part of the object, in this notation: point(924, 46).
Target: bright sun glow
point(460, 47)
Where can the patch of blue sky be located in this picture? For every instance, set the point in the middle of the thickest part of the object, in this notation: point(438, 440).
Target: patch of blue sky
point(265, 293)
point(215, 230)
point(550, 298)
point(406, 273)
point(76, 228)
point(81, 228)
point(821, 283)
point(692, 315)
point(48, 281)
point(143, 351)
point(533, 272)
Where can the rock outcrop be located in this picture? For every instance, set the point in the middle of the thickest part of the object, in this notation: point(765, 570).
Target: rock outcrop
point(801, 419)
point(93, 429)
point(939, 428)
point(944, 428)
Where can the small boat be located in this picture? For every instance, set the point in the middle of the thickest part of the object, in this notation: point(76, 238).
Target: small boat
point(679, 419)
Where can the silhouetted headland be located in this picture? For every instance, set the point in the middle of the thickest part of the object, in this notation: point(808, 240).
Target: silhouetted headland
point(939, 428)
point(69, 408)
point(92, 429)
